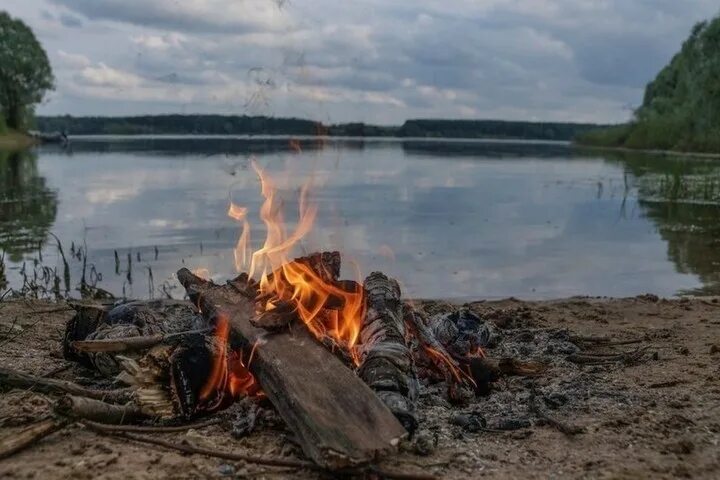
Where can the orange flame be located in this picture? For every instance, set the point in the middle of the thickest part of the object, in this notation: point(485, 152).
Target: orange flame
point(292, 282)
point(229, 374)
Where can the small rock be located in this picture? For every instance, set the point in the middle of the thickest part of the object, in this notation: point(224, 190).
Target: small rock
point(714, 349)
point(226, 470)
point(425, 443)
point(510, 424)
point(684, 350)
point(471, 422)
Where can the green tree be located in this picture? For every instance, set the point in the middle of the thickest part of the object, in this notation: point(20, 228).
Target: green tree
point(681, 106)
point(25, 73)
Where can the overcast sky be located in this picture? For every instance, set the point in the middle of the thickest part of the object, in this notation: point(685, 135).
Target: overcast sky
point(377, 61)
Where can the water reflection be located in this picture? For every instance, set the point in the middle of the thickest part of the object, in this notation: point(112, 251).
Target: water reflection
point(682, 197)
point(450, 219)
point(27, 206)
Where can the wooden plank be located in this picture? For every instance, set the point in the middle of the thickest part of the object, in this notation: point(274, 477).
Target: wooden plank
point(338, 419)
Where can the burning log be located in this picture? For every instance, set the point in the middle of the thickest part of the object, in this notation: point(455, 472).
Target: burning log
point(338, 420)
point(387, 364)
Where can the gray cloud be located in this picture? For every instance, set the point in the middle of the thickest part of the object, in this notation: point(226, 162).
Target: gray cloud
point(70, 21)
point(213, 16)
point(373, 60)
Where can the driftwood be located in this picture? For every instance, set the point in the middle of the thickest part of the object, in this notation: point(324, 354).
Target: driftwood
point(95, 410)
point(27, 437)
point(387, 364)
point(14, 379)
point(338, 420)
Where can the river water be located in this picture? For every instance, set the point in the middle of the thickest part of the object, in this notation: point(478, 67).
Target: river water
point(449, 219)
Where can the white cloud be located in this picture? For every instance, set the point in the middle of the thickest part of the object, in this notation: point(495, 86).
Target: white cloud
point(73, 60)
point(101, 75)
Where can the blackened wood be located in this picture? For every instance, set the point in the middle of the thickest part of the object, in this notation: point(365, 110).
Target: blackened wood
point(387, 363)
point(326, 264)
point(113, 326)
point(338, 420)
point(433, 353)
point(461, 332)
point(131, 344)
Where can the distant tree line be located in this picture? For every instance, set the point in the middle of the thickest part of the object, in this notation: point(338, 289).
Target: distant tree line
point(260, 125)
point(494, 129)
point(681, 106)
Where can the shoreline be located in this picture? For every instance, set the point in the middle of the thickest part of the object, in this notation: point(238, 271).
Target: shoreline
point(14, 140)
point(649, 151)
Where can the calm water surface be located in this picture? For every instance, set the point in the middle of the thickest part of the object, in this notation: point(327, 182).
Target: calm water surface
point(454, 219)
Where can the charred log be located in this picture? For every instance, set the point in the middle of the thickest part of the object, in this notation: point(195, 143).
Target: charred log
point(338, 420)
point(436, 362)
point(461, 332)
point(113, 327)
point(387, 364)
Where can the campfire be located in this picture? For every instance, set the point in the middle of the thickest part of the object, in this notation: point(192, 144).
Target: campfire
point(341, 361)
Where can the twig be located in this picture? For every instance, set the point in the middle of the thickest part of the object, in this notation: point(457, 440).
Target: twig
point(5, 294)
point(17, 442)
point(241, 457)
point(566, 428)
point(625, 357)
point(12, 378)
point(17, 335)
point(148, 429)
point(605, 341)
point(192, 449)
point(127, 344)
point(670, 383)
point(57, 370)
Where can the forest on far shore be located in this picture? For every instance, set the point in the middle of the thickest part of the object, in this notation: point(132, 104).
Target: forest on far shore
point(262, 125)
